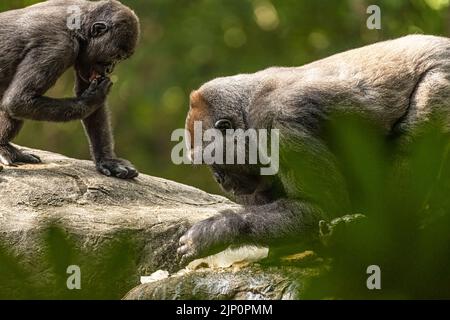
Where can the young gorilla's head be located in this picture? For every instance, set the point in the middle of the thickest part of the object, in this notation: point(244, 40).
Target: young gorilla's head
point(223, 104)
point(111, 31)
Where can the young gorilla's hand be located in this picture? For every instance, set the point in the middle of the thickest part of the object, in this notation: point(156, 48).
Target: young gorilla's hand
point(95, 95)
point(211, 236)
point(118, 168)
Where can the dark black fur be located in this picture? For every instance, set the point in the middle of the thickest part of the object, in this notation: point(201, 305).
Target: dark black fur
point(37, 47)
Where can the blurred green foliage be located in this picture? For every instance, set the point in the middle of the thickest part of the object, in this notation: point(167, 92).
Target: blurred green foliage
point(402, 189)
point(107, 274)
point(187, 42)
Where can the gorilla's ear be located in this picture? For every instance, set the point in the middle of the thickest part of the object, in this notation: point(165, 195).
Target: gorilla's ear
point(98, 29)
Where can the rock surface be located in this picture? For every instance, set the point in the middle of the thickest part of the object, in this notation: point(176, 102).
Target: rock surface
point(248, 283)
point(62, 212)
point(94, 211)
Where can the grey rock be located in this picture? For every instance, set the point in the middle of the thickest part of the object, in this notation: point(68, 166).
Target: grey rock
point(62, 212)
point(95, 213)
point(249, 283)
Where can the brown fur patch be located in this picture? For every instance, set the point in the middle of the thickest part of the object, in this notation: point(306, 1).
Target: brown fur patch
point(198, 111)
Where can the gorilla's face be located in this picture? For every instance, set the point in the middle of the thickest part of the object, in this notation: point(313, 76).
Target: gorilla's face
point(243, 181)
point(112, 36)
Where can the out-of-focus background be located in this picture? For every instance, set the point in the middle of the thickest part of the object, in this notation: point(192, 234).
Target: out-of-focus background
point(187, 42)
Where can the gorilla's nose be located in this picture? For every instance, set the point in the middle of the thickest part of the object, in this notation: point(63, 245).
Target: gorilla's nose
point(109, 69)
point(218, 177)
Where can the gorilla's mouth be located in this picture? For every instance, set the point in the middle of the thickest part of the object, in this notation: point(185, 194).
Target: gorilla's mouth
point(96, 71)
point(94, 75)
point(89, 76)
point(238, 186)
point(241, 191)
point(100, 70)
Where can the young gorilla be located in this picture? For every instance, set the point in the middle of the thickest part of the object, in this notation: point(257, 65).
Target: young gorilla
point(398, 84)
point(37, 47)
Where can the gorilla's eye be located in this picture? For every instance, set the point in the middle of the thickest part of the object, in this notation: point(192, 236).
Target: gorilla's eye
point(98, 29)
point(223, 124)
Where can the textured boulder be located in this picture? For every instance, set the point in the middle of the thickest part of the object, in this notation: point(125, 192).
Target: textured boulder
point(248, 283)
point(66, 202)
point(63, 213)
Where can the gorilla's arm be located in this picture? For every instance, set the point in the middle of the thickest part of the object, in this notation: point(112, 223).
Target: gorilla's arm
point(38, 72)
point(98, 129)
point(313, 191)
point(277, 222)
